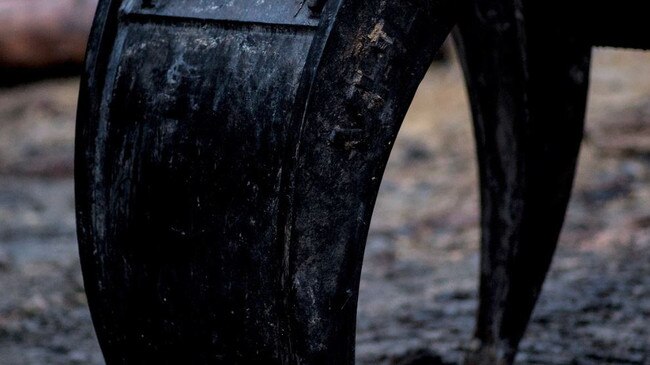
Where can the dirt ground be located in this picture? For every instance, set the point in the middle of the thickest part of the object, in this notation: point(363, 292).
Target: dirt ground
point(418, 290)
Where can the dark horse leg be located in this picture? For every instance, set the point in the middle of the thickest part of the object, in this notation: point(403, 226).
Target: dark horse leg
point(228, 160)
point(527, 75)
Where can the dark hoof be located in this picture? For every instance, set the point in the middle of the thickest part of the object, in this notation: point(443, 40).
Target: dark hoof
point(486, 354)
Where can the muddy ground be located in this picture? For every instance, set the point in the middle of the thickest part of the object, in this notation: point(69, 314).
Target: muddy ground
point(418, 292)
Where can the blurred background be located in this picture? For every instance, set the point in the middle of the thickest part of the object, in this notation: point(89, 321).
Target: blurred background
point(418, 291)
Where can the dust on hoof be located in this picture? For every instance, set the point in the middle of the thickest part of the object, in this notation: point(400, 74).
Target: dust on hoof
point(488, 354)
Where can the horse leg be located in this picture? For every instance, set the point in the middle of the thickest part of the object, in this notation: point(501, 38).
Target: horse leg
point(527, 77)
point(228, 161)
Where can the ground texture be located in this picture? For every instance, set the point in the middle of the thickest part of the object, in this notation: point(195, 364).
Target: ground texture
point(418, 290)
